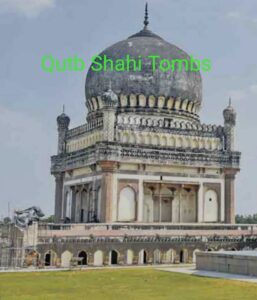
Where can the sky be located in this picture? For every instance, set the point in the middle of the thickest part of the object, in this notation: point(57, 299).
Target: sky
point(225, 31)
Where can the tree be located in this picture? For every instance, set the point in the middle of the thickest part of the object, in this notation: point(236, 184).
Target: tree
point(246, 219)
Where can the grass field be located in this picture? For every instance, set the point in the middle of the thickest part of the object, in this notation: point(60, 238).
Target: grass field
point(126, 284)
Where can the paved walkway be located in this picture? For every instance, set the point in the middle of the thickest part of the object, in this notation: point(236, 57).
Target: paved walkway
point(190, 270)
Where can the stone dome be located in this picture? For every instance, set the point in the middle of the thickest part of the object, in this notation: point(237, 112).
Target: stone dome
point(183, 84)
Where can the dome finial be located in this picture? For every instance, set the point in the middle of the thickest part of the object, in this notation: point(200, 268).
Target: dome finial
point(146, 22)
point(229, 102)
point(63, 108)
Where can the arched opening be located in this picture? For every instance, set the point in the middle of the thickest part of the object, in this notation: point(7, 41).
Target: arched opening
point(183, 256)
point(156, 140)
point(142, 257)
point(148, 206)
point(170, 256)
point(145, 257)
point(233, 249)
point(48, 259)
point(127, 205)
point(98, 258)
point(114, 257)
point(209, 250)
point(83, 258)
point(211, 206)
point(156, 256)
point(194, 255)
point(187, 206)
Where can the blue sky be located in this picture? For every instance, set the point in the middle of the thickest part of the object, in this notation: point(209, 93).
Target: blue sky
point(224, 31)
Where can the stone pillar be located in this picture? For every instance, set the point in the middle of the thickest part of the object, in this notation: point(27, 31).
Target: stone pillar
point(160, 203)
point(108, 168)
point(63, 122)
point(58, 197)
point(110, 102)
point(140, 208)
point(73, 204)
point(200, 204)
point(229, 115)
point(230, 196)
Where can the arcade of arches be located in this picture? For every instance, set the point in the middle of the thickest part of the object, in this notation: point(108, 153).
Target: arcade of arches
point(147, 202)
point(125, 257)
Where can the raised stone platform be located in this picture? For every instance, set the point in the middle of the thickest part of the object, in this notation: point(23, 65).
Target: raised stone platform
point(234, 262)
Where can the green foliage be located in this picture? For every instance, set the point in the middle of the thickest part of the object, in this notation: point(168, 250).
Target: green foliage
point(49, 219)
point(127, 284)
point(246, 219)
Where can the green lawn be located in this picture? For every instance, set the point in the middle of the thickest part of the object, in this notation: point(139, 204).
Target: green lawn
point(126, 284)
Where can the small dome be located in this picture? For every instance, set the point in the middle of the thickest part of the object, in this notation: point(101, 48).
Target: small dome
point(63, 121)
point(110, 96)
point(178, 83)
point(229, 114)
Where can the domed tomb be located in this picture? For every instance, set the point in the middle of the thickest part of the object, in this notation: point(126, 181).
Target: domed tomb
point(183, 83)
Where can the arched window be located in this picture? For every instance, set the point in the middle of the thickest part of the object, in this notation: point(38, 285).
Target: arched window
point(172, 142)
point(127, 205)
point(164, 141)
point(156, 140)
point(211, 206)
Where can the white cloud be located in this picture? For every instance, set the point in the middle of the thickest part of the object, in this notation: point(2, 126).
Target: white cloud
point(233, 14)
point(29, 8)
point(242, 18)
point(237, 95)
point(243, 94)
point(253, 89)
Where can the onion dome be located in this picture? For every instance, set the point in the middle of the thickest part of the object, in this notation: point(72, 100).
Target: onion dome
point(148, 82)
point(63, 121)
point(229, 114)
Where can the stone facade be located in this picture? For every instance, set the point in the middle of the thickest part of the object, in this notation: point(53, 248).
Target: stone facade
point(142, 180)
point(61, 245)
point(145, 156)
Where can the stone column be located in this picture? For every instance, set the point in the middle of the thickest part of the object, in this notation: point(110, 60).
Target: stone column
point(108, 168)
point(200, 204)
point(160, 203)
point(140, 208)
point(58, 197)
point(73, 204)
point(230, 196)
